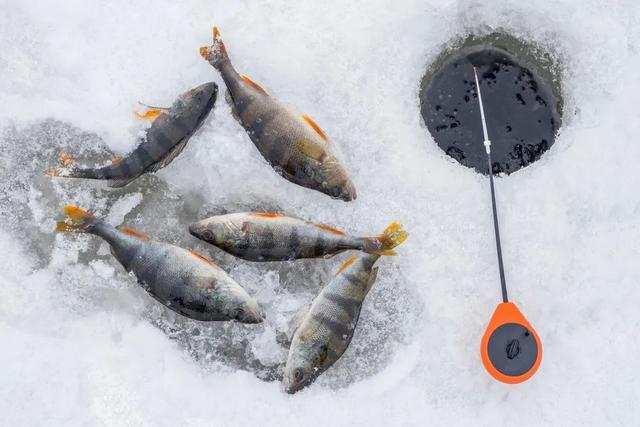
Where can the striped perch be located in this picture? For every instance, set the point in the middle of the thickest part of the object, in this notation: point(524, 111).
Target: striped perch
point(257, 236)
point(164, 140)
point(184, 281)
point(292, 143)
point(325, 332)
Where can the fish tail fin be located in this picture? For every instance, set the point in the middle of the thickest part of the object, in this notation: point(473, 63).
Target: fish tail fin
point(217, 52)
point(66, 165)
point(384, 244)
point(77, 221)
point(68, 168)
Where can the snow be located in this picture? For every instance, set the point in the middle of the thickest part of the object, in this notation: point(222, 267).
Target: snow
point(84, 345)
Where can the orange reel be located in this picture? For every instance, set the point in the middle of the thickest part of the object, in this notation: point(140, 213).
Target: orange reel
point(511, 349)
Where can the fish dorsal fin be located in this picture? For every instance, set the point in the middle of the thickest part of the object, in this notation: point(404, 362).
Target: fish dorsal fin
point(315, 127)
point(149, 114)
point(346, 264)
point(203, 258)
point(254, 85)
point(331, 230)
point(267, 215)
point(134, 233)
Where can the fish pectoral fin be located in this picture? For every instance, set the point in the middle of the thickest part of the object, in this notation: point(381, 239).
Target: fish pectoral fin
point(134, 233)
point(311, 149)
point(203, 258)
point(315, 127)
point(254, 85)
point(346, 264)
point(169, 157)
point(331, 230)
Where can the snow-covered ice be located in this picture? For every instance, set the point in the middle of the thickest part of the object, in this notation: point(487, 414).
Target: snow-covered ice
point(82, 344)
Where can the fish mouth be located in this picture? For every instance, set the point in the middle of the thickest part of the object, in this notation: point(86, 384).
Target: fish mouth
point(253, 321)
point(349, 196)
point(197, 229)
point(210, 88)
point(254, 318)
point(341, 190)
point(248, 315)
point(293, 388)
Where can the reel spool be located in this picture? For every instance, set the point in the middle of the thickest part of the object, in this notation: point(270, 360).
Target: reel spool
point(511, 350)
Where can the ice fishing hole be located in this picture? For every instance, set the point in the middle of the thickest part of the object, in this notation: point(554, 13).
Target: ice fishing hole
point(521, 93)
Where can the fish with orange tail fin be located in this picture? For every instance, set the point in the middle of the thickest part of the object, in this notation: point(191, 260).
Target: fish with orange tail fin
point(293, 144)
point(168, 135)
point(256, 236)
point(182, 280)
point(325, 331)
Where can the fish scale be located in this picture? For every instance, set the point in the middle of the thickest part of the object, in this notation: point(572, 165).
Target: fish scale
point(259, 236)
point(325, 332)
point(164, 140)
point(290, 142)
point(182, 280)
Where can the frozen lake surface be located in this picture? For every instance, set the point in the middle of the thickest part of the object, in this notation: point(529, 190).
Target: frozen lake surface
point(83, 344)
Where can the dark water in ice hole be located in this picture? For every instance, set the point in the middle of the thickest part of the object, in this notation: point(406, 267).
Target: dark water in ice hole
point(522, 111)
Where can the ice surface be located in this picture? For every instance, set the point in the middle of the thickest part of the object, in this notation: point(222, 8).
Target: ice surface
point(82, 344)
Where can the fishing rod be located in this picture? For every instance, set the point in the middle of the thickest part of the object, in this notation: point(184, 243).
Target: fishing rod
point(487, 146)
point(511, 350)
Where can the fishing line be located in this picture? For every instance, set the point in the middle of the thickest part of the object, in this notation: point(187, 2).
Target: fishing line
point(487, 146)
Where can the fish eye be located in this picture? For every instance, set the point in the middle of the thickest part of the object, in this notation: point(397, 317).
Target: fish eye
point(298, 375)
point(207, 235)
point(237, 313)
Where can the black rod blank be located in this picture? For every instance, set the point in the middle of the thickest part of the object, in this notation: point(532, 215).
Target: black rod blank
point(487, 144)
